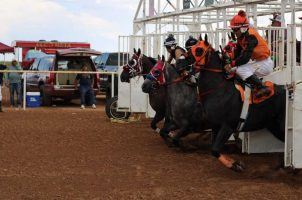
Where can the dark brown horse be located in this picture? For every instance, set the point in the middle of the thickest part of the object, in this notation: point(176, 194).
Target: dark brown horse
point(222, 105)
point(140, 65)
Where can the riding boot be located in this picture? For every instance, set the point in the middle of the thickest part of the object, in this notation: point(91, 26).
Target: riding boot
point(256, 83)
point(1, 106)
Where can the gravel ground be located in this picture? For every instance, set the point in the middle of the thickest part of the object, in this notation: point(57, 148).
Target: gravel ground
point(63, 152)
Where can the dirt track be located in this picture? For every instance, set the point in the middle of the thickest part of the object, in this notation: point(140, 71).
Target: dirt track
point(68, 153)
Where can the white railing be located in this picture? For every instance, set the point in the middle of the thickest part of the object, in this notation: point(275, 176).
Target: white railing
point(25, 72)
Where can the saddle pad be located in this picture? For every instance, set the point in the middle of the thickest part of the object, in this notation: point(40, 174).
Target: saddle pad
point(256, 100)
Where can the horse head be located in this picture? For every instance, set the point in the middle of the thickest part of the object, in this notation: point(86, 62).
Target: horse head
point(156, 77)
point(204, 56)
point(229, 50)
point(139, 64)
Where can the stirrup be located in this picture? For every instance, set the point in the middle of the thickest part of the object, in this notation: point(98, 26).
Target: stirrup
point(263, 92)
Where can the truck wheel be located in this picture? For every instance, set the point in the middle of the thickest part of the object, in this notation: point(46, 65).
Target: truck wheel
point(46, 99)
point(108, 95)
point(111, 110)
point(67, 100)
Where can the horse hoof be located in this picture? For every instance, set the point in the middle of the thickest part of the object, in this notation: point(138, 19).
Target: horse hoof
point(238, 166)
point(157, 130)
point(172, 134)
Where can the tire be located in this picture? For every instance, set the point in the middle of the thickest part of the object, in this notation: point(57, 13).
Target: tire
point(111, 106)
point(67, 100)
point(46, 99)
point(108, 94)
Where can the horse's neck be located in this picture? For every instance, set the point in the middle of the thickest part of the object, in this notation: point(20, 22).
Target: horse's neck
point(146, 65)
point(210, 81)
point(170, 73)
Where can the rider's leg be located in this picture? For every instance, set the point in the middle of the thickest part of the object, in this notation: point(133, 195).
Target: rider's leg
point(246, 72)
point(264, 67)
point(255, 82)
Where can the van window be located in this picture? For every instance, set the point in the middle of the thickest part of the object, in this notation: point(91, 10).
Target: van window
point(73, 64)
point(113, 59)
point(62, 65)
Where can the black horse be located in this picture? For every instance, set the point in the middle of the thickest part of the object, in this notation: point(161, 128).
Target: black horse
point(140, 65)
point(181, 100)
point(222, 105)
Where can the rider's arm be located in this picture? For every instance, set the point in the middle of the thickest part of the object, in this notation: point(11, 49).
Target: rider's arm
point(246, 54)
point(170, 59)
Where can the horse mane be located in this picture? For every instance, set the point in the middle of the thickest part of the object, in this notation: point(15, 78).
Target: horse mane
point(152, 60)
point(216, 53)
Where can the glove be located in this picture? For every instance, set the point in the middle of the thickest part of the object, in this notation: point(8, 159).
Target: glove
point(228, 68)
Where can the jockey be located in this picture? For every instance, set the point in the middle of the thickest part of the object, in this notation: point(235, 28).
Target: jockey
point(250, 45)
point(174, 50)
point(176, 53)
point(190, 42)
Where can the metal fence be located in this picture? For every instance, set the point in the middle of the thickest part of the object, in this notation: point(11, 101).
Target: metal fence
point(24, 72)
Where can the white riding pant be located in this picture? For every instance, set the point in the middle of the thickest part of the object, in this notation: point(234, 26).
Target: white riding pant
point(259, 68)
point(0, 92)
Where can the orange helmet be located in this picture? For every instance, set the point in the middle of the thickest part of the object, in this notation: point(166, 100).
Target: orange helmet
point(239, 20)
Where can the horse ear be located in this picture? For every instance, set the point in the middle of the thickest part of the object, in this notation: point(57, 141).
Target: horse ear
point(158, 57)
point(134, 50)
point(163, 58)
point(139, 51)
point(233, 36)
point(229, 37)
point(206, 39)
point(200, 37)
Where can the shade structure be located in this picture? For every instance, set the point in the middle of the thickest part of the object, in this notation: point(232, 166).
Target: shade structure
point(6, 49)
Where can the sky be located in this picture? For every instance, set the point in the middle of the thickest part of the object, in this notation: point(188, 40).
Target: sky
point(98, 22)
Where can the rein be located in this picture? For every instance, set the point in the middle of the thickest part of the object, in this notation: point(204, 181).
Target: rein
point(177, 80)
point(215, 70)
point(202, 67)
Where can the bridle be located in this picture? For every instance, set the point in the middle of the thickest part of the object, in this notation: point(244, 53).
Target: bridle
point(135, 68)
point(153, 77)
point(207, 53)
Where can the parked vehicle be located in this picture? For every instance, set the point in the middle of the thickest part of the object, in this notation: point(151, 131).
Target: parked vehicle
point(51, 85)
point(108, 62)
point(30, 57)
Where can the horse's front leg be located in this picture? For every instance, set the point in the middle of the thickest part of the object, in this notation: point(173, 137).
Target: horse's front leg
point(221, 138)
point(182, 132)
point(157, 118)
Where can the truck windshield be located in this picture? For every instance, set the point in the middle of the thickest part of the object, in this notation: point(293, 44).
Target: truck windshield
point(113, 59)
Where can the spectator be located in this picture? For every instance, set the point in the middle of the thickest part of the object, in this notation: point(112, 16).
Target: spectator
point(86, 87)
point(14, 80)
point(2, 67)
point(276, 20)
point(277, 39)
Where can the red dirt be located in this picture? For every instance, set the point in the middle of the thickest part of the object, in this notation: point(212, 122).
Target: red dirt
point(68, 153)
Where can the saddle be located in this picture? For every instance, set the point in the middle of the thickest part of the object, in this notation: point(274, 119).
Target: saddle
point(248, 97)
point(253, 99)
